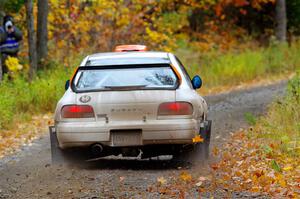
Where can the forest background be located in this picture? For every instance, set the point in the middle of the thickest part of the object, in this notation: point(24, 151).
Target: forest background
point(229, 43)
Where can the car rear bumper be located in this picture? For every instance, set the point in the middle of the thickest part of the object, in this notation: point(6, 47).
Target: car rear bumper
point(81, 134)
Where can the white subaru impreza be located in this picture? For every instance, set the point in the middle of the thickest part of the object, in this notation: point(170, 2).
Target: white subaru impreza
point(131, 103)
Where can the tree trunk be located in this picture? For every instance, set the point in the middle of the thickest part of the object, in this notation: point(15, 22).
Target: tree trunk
point(281, 19)
point(42, 30)
point(31, 38)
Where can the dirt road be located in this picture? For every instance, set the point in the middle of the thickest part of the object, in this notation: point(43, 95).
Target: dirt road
point(29, 174)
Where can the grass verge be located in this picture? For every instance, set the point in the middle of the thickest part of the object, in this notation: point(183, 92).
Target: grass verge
point(20, 99)
point(266, 158)
point(281, 126)
point(232, 68)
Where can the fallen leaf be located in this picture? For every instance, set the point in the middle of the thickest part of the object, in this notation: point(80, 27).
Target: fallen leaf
point(214, 166)
point(201, 178)
point(255, 189)
point(121, 179)
point(215, 151)
point(161, 180)
point(185, 176)
point(287, 168)
point(198, 184)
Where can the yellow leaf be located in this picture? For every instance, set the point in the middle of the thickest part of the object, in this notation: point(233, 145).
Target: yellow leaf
point(287, 168)
point(255, 189)
point(282, 183)
point(12, 64)
point(161, 180)
point(185, 176)
point(215, 151)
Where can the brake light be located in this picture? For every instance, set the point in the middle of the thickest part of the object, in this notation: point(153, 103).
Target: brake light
point(175, 108)
point(77, 111)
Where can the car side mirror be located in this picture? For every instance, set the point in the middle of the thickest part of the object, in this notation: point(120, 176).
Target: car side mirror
point(197, 82)
point(67, 85)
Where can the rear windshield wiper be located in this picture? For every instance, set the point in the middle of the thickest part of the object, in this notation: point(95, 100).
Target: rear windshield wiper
point(125, 87)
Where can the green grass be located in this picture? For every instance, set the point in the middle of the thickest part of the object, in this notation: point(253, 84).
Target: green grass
point(250, 118)
point(281, 125)
point(19, 99)
point(235, 67)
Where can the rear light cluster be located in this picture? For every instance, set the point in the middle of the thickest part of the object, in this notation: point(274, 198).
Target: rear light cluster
point(175, 108)
point(77, 111)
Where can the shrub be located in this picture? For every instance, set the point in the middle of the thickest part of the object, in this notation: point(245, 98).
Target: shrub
point(281, 125)
point(18, 97)
point(234, 67)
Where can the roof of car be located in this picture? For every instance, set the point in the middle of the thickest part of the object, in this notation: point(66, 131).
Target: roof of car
point(120, 58)
point(128, 54)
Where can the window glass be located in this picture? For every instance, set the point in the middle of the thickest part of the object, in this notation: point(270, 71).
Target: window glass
point(126, 78)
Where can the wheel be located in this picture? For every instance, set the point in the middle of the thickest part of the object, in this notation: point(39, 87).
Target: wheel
point(60, 156)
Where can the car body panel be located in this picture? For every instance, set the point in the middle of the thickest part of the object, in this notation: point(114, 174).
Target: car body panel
point(180, 131)
point(131, 110)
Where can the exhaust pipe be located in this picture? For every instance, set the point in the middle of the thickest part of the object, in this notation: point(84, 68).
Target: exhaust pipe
point(96, 149)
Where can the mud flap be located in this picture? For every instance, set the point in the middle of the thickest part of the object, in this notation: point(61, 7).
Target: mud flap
point(205, 133)
point(200, 151)
point(57, 156)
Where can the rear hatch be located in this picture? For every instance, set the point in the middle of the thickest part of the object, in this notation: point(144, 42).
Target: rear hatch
point(131, 105)
point(127, 92)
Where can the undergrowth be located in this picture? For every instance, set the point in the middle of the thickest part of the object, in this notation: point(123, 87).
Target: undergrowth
point(281, 126)
point(19, 99)
point(239, 66)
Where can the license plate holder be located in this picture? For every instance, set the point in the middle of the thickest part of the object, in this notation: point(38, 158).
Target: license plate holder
point(126, 137)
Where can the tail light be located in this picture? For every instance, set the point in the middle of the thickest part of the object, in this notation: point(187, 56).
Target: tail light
point(77, 111)
point(175, 108)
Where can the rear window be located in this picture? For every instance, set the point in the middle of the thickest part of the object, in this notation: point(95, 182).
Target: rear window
point(125, 78)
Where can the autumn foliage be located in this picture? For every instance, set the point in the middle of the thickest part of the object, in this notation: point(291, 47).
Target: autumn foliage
point(217, 39)
point(77, 26)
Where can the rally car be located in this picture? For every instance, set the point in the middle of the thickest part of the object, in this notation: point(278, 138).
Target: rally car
point(132, 103)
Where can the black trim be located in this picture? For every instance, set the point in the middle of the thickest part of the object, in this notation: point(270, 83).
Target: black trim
point(125, 66)
point(73, 88)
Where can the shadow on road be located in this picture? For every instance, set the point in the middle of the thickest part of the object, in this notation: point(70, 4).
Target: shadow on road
point(132, 164)
point(117, 164)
